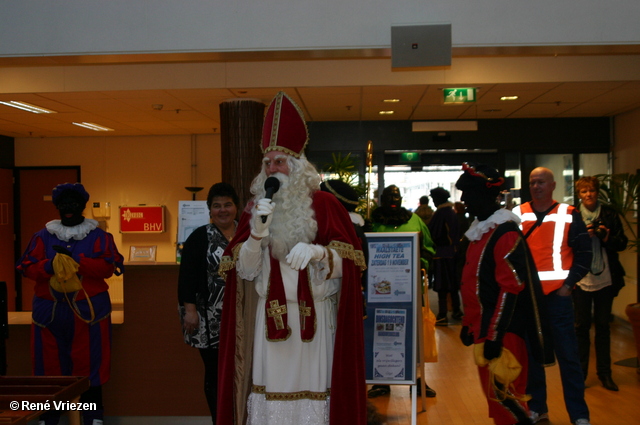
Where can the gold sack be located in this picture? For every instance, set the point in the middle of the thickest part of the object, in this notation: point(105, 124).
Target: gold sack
point(65, 278)
point(504, 369)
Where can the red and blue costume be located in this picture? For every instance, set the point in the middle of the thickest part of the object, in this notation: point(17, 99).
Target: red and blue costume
point(71, 334)
point(71, 330)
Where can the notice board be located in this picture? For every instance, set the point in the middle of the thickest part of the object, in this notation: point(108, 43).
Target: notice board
point(191, 215)
point(392, 298)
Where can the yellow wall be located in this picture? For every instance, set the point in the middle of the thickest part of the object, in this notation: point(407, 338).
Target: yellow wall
point(626, 152)
point(152, 170)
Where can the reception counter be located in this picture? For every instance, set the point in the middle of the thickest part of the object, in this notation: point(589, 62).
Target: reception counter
point(153, 372)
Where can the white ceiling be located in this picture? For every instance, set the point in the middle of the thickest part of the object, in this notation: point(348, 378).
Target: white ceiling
point(191, 111)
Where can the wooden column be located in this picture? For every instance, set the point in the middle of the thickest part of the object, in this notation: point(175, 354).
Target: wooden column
point(241, 132)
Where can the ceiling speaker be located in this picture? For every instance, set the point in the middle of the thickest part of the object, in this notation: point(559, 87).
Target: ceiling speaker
point(420, 45)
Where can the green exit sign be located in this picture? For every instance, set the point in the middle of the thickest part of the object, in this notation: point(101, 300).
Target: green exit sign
point(410, 157)
point(459, 95)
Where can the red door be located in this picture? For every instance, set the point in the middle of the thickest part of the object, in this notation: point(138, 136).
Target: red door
point(7, 254)
point(34, 186)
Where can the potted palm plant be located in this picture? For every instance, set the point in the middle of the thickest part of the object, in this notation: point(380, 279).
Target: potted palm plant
point(344, 168)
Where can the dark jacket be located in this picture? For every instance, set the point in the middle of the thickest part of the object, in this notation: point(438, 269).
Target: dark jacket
point(616, 242)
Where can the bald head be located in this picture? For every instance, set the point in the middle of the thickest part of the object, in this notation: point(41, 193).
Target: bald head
point(541, 186)
point(543, 171)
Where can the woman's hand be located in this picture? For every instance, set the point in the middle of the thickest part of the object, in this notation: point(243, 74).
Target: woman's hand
point(191, 320)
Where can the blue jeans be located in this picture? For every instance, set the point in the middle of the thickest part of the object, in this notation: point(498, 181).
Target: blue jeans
point(560, 310)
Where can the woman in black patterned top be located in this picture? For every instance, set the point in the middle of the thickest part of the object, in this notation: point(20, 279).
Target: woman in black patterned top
point(201, 289)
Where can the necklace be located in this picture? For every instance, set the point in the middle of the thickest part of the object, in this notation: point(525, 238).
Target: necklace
point(230, 235)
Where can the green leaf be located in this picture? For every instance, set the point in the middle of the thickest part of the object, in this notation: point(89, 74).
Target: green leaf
point(620, 191)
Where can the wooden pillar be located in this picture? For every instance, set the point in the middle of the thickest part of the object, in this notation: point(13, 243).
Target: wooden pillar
point(240, 133)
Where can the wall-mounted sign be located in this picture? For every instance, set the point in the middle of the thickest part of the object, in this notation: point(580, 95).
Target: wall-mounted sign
point(410, 157)
point(142, 219)
point(191, 215)
point(459, 95)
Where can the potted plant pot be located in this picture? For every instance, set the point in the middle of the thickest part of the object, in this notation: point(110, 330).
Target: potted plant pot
point(633, 313)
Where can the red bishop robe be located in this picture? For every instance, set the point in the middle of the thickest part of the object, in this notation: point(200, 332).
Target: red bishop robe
point(348, 387)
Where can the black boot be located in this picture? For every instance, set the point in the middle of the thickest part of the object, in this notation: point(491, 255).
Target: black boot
point(608, 383)
point(379, 390)
point(441, 320)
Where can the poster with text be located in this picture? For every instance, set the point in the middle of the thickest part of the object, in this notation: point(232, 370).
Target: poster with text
point(391, 274)
point(389, 348)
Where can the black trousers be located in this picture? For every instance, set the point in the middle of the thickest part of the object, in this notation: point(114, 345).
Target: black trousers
point(210, 359)
point(594, 307)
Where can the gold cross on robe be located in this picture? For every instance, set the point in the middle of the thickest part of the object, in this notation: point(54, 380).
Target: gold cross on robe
point(304, 312)
point(277, 311)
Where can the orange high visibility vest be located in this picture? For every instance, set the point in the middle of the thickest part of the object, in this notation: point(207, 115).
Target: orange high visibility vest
point(549, 243)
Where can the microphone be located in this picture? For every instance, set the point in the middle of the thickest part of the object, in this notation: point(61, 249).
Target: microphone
point(271, 186)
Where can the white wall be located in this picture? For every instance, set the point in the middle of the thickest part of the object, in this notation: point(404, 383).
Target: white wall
point(76, 27)
point(132, 171)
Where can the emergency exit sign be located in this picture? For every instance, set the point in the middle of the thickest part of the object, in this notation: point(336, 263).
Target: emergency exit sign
point(410, 157)
point(459, 95)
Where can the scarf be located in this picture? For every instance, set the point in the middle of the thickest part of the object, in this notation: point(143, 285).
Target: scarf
point(597, 260)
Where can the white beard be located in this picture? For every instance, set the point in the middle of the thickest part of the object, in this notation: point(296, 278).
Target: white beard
point(293, 218)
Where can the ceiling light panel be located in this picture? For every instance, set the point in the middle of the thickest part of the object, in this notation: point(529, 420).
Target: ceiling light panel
point(92, 126)
point(28, 107)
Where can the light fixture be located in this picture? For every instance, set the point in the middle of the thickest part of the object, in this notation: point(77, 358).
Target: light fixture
point(28, 107)
point(444, 126)
point(385, 112)
point(509, 98)
point(391, 100)
point(92, 126)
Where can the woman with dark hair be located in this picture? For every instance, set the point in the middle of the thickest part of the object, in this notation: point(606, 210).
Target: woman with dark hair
point(601, 285)
point(201, 289)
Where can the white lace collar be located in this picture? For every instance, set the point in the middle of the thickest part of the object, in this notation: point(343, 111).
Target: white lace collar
point(479, 228)
point(77, 232)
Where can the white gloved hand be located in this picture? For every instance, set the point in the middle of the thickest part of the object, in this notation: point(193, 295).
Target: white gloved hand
point(302, 253)
point(263, 208)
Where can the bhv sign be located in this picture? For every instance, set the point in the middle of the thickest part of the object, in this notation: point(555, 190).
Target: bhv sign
point(142, 219)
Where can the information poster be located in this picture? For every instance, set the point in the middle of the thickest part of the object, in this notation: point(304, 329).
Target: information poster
point(191, 215)
point(390, 272)
point(389, 347)
point(390, 328)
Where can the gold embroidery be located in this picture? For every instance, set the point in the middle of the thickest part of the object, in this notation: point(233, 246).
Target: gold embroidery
point(311, 395)
point(315, 317)
point(227, 262)
point(330, 260)
point(346, 250)
point(277, 311)
point(304, 312)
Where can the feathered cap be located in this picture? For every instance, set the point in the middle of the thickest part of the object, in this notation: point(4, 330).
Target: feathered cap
point(343, 191)
point(284, 127)
point(480, 177)
point(73, 187)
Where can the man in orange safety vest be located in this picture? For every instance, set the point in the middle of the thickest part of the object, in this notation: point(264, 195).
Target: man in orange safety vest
point(561, 249)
